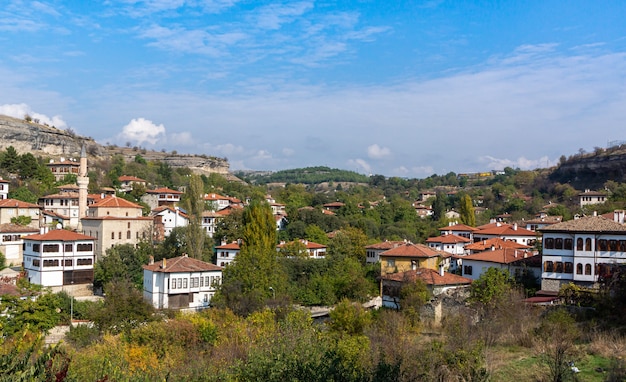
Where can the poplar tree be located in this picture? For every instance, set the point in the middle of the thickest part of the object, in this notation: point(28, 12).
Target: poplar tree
point(466, 210)
point(194, 204)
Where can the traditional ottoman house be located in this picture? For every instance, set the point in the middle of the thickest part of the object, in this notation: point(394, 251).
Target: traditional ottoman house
point(411, 256)
point(510, 232)
point(462, 230)
point(452, 243)
point(13, 208)
point(373, 251)
point(59, 258)
point(11, 242)
point(127, 183)
point(517, 262)
point(161, 197)
point(180, 283)
point(170, 218)
point(591, 197)
point(579, 251)
point(226, 253)
point(63, 167)
point(309, 248)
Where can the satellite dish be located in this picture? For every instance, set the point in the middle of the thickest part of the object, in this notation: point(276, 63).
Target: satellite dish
point(59, 226)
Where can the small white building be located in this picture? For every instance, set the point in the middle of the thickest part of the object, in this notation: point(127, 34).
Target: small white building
point(171, 217)
point(308, 248)
point(226, 253)
point(4, 189)
point(59, 258)
point(515, 261)
point(591, 197)
point(11, 242)
point(373, 251)
point(452, 244)
point(180, 283)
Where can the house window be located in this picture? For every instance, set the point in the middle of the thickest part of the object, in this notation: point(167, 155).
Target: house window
point(184, 283)
point(201, 282)
point(558, 267)
point(622, 245)
point(128, 235)
point(36, 262)
point(84, 247)
point(173, 282)
point(119, 235)
point(587, 244)
point(391, 263)
point(51, 263)
point(206, 281)
point(569, 267)
point(549, 244)
point(180, 283)
point(548, 266)
point(602, 245)
point(128, 225)
point(558, 243)
point(68, 248)
point(194, 282)
point(588, 269)
point(112, 235)
point(67, 262)
point(51, 248)
point(579, 269)
point(84, 261)
point(467, 270)
point(613, 245)
point(579, 244)
point(568, 244)
point(35, 247)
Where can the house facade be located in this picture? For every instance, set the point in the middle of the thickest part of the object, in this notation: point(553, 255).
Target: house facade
point(170, 218)
point(373, 251)
point(180, 283)
point(63, 167)
point(411, 256)
point(4, 189)
point(517, 262)
point(309, 249)
point(161, 197)
point(12, 208)
point(11, 242)
point(452, 244)
point(509, 232)
point(591, 197)
point(59, 258)
point(226, 253)
point(580, 250)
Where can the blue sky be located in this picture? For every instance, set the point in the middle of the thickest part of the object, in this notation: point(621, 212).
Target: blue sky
point(399, 88)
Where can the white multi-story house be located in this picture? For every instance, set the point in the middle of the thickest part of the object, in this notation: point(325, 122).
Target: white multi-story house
point(309, 248)
point(510, 232)
point(170, 218)
point(373, 251)
point(580, 250)
point(4, 189)
point(11, 242)
point(462, 230)
point(452, 244)
point(226, 253)
point(161, 197)
point(591, 197)
point(127, 183)
point(515, 261)
point(58, 258)
point(180, 283)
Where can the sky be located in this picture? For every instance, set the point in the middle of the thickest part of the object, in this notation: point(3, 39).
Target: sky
point(396, 88)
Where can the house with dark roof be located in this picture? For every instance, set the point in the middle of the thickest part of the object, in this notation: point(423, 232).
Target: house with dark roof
point(579, 251)
point(59, 258)
point(180, 283)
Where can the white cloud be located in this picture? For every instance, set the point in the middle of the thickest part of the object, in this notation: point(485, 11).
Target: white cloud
point(22, 109)
point(360, 164)
point(182, 139)
point(140, 131)
point(275, 15)
point(522, 163)
point(376, 152)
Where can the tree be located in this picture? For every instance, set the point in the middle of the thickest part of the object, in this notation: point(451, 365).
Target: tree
point(466, 209)
point(556, 337)
point(439, 206)
point(122, 262)
point(123, 309)
point(27, 166)
point(348, 242)
point(349, 318)
point(194, 202)
point(10, 160)
point(491, 286)
point(247, 281)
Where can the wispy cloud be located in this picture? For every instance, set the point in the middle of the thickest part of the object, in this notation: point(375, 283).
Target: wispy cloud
point(377, 152)
point(22, 110)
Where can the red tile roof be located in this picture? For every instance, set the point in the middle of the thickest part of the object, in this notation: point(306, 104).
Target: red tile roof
point(233, 245)
point(181, 264)
point(385, 245)
point(307, 244)
point(458, 227)
point(129, 178)
point(163, 190)
point(448, 239)
point(59, 235)
point(8, 203)
point(500, 256)
point(115, 202)
point(506, 230)
point(428, 276)
point(495, 242)
point(412, 250)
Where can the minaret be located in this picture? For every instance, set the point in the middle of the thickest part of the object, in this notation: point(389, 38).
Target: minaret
point(83, 182)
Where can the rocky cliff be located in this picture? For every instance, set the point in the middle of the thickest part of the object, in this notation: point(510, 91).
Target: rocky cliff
point(50, 142)
point(593, 170)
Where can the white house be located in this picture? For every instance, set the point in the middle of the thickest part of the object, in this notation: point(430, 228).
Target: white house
point(510, 232)
point(161, 197)
point(170, 218)
point(591, 197)
point(449, 243)
point(580, 250)
point(373, 251)
point(226, 253)
point(180, 283)
point(517, 262)
point(11, 242)
point(4, 189)
point(462, 230)
point(310, 249)
point(59, 258)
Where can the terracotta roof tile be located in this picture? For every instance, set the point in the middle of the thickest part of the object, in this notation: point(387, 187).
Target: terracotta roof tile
point(59, 235)
point(163, 190)
point(8, 203)
point(114, 202)
point(429, 276)
point(495, 242)
point(458, 227)
point(233, 245)
point(448, 239)
point(15, 228)
point(412, 250)
point(181, 264)
point(587, 224)
point(500, 256)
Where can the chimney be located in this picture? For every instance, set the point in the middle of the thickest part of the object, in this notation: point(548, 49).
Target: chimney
point(163, 264)
point(493, 247)
point(441, 271)
point(595, 213)
point(151, 260)
point(618, 216)
point(514, 226)
point(515, 254)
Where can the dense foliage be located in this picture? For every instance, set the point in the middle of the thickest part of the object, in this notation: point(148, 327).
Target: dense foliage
point(309, 175)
